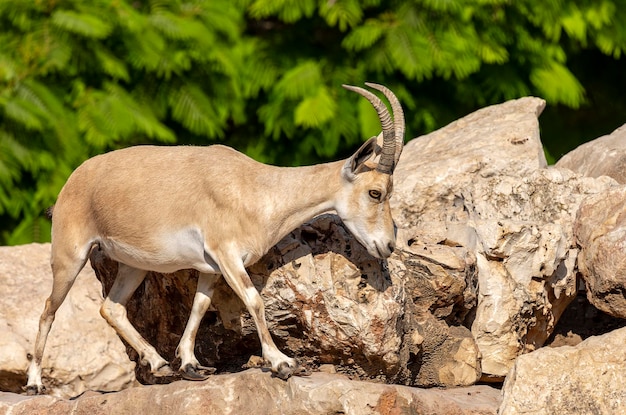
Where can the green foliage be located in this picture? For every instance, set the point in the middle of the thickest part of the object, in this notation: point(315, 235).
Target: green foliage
point(79, 78)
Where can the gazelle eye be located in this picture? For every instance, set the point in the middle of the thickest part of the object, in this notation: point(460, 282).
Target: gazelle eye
point(375, 194)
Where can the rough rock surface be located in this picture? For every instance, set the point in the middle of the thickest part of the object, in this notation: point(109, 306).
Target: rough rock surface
point(480, 184)
point(327, 301)
point(83, 352)
point(601, 232)
point(254, 391)
point(586, 379)
point(604, 156)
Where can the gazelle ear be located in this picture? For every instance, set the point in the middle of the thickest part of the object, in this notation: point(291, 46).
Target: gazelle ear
point(356, 164)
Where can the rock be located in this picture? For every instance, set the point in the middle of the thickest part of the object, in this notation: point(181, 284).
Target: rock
point(481, 184)
point(498, 140)
point(526, 260)
point(601, 233)
point(327, 301)
point(604, 156)
point(254, 391)
point(503, 139)
point(585, 379)
point(83, 352)
point(440, 287)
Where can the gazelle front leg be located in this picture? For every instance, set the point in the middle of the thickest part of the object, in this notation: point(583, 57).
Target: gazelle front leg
point(238, 279)
point(190, 368)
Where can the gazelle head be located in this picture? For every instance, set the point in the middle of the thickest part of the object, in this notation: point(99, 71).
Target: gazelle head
point(363, 203)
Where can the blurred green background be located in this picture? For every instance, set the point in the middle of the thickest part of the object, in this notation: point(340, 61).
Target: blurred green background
point(78, 78)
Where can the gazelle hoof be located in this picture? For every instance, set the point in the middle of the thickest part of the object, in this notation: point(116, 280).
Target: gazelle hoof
point(32, 390)
point(163, 372)
point(189, 372)
point(301, 371)
point(285, 371)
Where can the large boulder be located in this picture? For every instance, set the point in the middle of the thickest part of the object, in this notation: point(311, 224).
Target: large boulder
point(83, 352)
point(601, 233)
point(586, 379)
point(256, 392)
point(481, 184)
point(604, 156)
point(526, 259)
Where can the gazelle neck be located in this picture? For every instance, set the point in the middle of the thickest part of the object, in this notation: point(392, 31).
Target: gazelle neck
point(296, 204)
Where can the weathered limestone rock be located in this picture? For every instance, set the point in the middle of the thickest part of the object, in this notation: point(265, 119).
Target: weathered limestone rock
point(601, 232)
point(481, 184)
point(497, 140)
point(254, 391)
point(440, 286)
point(604, 156)
point(327, 301)
point(83, 352)
point(526, 260)
point(586, 379)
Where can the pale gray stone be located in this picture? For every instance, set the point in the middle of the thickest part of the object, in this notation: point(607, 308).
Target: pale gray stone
point(482, 184)
point(601, 233)
point(83, 351)
point(604, 156)
point(585, 379)
point(256, 392)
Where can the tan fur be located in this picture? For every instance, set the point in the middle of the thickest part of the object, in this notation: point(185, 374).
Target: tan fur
point(212, 209)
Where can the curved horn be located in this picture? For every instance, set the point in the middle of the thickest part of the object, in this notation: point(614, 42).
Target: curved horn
point(398, 117)
point(386, 163)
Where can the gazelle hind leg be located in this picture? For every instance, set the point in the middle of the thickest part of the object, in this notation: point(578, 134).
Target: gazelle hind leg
point(65, 269)
point(190, 368)
point(114, 312)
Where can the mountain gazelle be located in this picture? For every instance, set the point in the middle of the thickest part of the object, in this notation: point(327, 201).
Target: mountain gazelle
point(214, 210)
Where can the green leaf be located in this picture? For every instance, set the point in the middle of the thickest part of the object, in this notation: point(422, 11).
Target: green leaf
point(363, 37)
point(443, 5)
point(182, 28)
point(111, 65)
point(23, 112)
point(13, 157)
point(409, 53)
point(574, 24)
point(342, 13)
point(557, 84)
point(287, 10)
point(31, 229)
point(316, 110)
point(191, 107)
point(142, 119)
point(8, 68)
point(301, 81)
point(83, 24)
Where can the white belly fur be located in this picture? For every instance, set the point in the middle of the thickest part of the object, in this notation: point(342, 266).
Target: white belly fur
point(175, 251)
